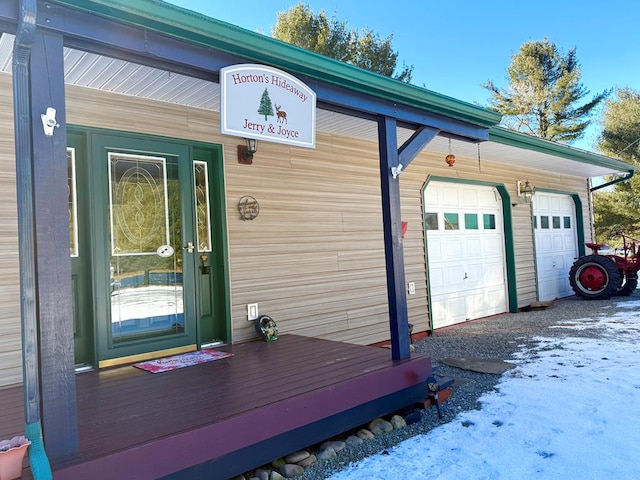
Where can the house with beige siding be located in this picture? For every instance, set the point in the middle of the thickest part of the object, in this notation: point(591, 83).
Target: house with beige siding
point(134, 226)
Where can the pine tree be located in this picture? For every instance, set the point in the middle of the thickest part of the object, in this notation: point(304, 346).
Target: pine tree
point(544, 88)
point(617, 210)
point(333, 38)
point(266, 107)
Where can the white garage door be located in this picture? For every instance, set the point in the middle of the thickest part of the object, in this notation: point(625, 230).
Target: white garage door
point(554, 223)
point(465, 247)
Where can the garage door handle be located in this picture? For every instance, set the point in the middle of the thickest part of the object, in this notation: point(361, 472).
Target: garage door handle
point(465, 276)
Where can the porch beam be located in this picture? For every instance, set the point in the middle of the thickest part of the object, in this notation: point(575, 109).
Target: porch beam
point(53, 264)
point(414, 145)
point(394, 257)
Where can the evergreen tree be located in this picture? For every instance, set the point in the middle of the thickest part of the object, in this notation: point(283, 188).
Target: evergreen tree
point(266, 107)
point(617, 210)
point(543, 94)
point(332, 38)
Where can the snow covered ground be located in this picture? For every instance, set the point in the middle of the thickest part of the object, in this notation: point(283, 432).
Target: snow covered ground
point(570, 411)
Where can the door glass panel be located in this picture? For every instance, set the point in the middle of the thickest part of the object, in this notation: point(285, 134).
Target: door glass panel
point(451, 221)
point(544, 221)
point(471, 221)
point(431, 220)
point(71, 194)
point(202, 206)
point(489, 221)
point(146, 249)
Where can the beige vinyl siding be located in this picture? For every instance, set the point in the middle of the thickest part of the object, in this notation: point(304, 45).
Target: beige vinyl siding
point(314, 258)
point(10, 327)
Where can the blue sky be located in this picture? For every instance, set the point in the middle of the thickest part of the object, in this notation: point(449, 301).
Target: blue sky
point(456, 46)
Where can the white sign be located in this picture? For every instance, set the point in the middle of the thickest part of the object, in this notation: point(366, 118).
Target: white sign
point(265, 103)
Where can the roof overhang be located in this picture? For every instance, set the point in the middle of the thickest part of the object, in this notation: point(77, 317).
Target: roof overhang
point(527, 151)
point(197, 29)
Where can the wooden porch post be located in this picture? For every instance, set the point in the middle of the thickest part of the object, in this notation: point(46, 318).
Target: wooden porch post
point(53, 264)
point(394, 257)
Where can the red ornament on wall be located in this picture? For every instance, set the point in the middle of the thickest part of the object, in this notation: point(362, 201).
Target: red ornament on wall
point(450, 159)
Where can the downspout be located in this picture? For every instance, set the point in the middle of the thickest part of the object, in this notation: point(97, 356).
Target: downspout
point(39, 463)
point(614, 181)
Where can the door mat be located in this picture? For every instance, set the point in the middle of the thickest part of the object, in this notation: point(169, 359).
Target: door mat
point(175, 362)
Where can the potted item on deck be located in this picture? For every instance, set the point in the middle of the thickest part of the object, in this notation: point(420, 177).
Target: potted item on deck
point(11, 457)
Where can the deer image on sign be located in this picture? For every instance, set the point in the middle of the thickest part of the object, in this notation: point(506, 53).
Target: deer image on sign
point(281, 114)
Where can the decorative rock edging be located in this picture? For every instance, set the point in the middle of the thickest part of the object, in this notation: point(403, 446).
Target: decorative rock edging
point(294, 464)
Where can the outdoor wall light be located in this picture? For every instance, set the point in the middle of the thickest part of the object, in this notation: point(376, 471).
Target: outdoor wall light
point(49, 121)
point(525, 190)
point(245, 152)
point(396, 171)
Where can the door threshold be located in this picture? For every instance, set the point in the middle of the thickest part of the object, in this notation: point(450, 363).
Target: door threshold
point(112, 362)
point(83, 367)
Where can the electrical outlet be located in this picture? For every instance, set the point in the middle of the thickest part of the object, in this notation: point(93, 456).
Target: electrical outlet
point(252, 311)
point(412, 288)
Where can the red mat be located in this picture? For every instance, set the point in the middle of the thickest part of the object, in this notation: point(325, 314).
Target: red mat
point(183, 360)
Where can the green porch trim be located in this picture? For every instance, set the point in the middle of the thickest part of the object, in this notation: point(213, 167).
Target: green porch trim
point(536, 144)
point(579, 215)
point(508, 237)
point(200, 30)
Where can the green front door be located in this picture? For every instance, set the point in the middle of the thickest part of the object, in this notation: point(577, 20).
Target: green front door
point(147, 243)
point(148, 220)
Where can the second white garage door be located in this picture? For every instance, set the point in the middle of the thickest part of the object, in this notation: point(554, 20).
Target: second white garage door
point(465, 248)
point(556, 243)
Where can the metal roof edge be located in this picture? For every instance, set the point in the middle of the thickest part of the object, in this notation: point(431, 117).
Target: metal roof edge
point(529, 142)
point(197, 28)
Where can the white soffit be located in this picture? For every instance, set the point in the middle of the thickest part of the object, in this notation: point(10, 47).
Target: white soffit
point(90, 70)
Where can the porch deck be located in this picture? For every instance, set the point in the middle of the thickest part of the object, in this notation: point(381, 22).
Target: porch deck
point(222, 418)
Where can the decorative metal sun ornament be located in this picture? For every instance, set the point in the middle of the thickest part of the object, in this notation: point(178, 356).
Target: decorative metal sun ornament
point(248, 207)
point(450, 158)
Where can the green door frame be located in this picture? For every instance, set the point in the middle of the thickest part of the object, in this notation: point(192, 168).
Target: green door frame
point(579, 227)
point(507, 221)
point(210, 302)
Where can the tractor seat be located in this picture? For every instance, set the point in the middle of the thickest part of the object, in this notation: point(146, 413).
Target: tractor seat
point(597, 246)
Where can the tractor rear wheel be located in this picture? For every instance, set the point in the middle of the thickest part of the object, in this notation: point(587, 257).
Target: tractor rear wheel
point(629, 284)
point(595, 277)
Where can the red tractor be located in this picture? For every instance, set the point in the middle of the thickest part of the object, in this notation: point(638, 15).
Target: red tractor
point(601, 275)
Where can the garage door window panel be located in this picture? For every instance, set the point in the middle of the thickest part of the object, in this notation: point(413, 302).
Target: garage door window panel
point(471, 221)
point(451, 221)
point(431, 220)
point(489, 221)
point(544, 222)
